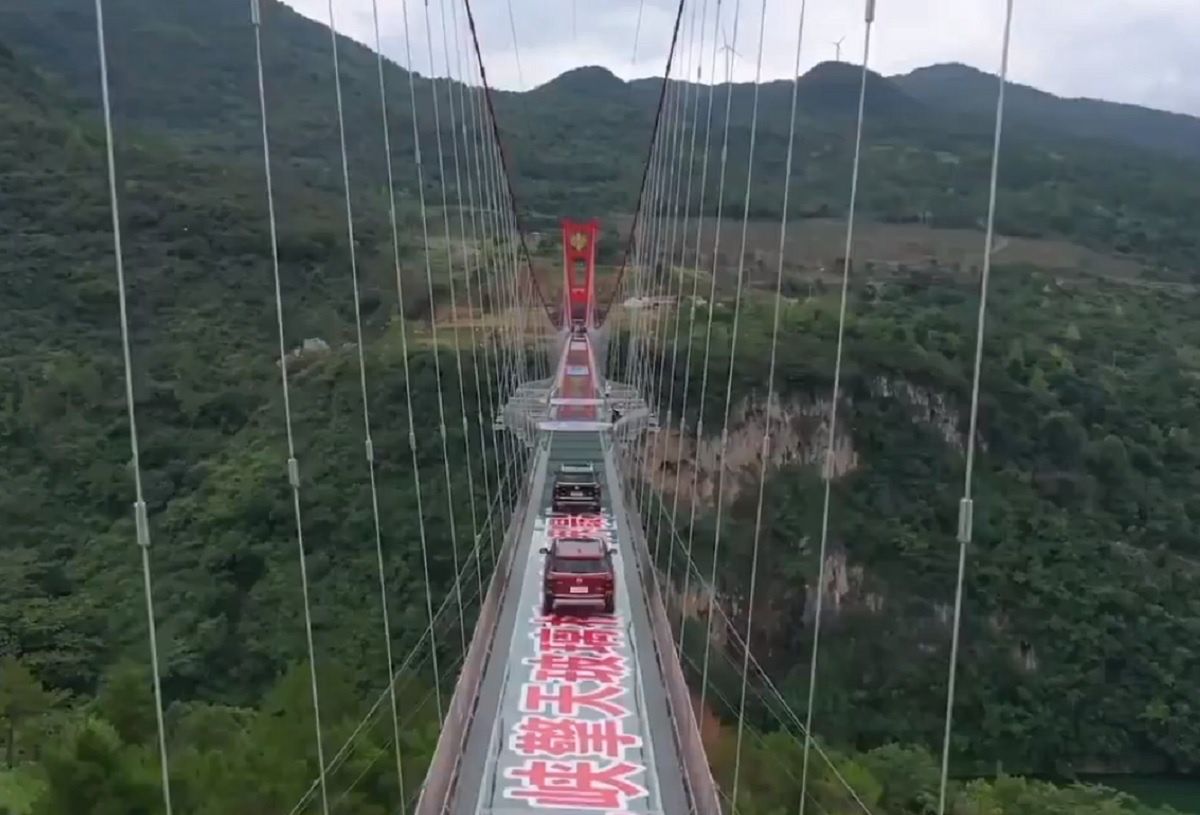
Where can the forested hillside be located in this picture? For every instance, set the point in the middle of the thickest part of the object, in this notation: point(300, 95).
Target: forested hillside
point(1081, 604)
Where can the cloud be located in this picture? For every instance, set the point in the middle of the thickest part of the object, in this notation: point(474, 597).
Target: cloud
point(1141, 53)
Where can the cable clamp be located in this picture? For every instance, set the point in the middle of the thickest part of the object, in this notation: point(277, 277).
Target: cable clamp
point(370, 448)
point(870, 16)
point(142, 522)
point(966, 520)
point(293, 469)
point(255, 13)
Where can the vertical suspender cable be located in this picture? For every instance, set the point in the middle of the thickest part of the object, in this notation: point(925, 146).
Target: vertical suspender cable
point(687, 368)
point(650, 320)
point(433, 328)
point(141, 519)
point(827, 470)
point(765, 451)
point(966, 505)
point(664, 252)
point(293, 466)
point(412, 436)
point(655, 276)
point(678, 237)
point(733, 342)
point(637, 30)
point(387, 150)
point(633, 228)
point(497, 338)
point(660, 516)
point(712, 295)
point(512, 26)
point(462, 394)
point(470, 152)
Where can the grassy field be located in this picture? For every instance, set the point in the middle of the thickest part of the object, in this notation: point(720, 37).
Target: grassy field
point(815, 247)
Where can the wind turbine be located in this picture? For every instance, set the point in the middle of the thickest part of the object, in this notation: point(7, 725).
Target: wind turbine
point(729, 53)
point(837, 44)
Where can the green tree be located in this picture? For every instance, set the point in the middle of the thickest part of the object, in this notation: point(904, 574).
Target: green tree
point(95, 773)
point(126, 701)
point(22, 699)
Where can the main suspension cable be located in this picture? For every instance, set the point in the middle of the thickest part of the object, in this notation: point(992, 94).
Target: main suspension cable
point(140, 516)
point(827, 469)
point(966, 513)
point(649, 152)
point(765, 451)
point(293, 465)
point(511, 196)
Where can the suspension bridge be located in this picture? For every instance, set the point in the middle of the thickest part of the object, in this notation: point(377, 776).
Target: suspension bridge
point(556, 711)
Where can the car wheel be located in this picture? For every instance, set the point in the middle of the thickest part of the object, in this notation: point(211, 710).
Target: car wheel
point(547, 605)
point(609, 605)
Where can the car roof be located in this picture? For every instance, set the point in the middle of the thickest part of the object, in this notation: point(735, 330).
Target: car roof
point(579, 547)
point(576, 478)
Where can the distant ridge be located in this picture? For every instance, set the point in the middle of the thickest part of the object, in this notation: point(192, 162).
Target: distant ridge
point(834, 86)
point(963, 89)
point(589, 79)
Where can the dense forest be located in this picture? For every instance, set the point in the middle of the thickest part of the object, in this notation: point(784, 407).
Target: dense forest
point(1082, 579)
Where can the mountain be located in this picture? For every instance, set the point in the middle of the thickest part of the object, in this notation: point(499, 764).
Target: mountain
point(590, 80)
point(1079, 649)
point(577, 143)
point(962, 89)
point(833, 87)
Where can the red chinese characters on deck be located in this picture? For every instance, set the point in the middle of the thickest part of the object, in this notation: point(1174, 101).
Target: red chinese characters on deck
point(577, 734)
point(554, 666)
point(569, 700)
point(586, 785)
point(571, 638)
point(559, 737)
point(571, 526)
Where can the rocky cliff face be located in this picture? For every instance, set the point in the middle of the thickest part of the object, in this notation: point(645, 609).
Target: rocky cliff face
point(800, 427)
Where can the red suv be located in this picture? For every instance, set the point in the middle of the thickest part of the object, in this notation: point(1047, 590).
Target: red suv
point(578, 572)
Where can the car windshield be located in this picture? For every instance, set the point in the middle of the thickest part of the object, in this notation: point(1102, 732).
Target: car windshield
point(576, 479)
point(574, 565)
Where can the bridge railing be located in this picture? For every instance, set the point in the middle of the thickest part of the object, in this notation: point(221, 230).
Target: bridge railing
point(442, 777)
point(701, 789)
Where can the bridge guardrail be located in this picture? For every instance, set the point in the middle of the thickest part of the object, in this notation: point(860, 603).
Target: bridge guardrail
point(698, 780)
point(442, 776)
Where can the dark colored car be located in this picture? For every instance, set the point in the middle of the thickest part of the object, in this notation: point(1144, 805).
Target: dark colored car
point(576, 489)
point(578, 328)
point(578, 573)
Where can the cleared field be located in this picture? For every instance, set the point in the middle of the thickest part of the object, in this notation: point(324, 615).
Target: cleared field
point(815, 247)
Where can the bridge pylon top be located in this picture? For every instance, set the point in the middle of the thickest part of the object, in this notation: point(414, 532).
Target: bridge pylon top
point(579, 272)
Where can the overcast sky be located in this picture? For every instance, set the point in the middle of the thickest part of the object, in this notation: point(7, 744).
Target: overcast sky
point(1140, 51)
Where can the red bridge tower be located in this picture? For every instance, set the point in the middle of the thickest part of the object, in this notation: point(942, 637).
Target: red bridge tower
point(579, 271)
